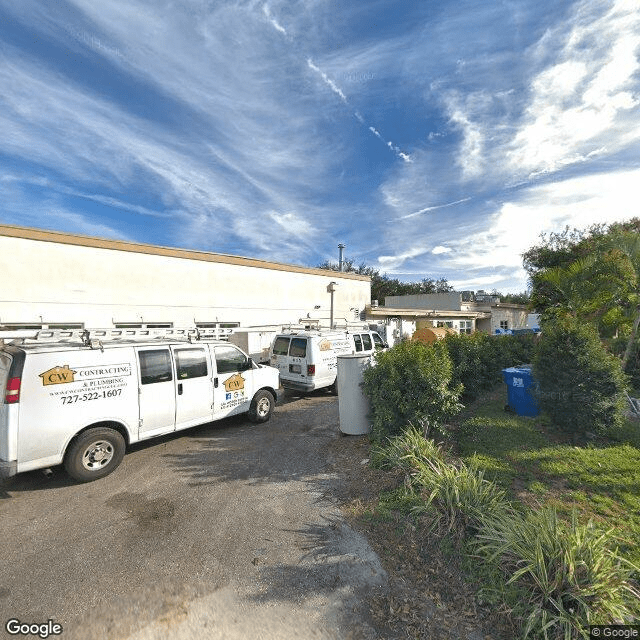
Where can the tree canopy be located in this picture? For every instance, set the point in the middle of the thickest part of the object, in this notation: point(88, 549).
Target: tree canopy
point(383, 286)
point(592, 275)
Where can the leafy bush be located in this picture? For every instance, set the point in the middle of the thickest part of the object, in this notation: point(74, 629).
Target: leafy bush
point(572, 573)
point(478, 358)
point(410, 384)
point(581, 385)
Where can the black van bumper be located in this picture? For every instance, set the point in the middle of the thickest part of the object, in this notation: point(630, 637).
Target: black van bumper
point(297, 386)
point(8, 469)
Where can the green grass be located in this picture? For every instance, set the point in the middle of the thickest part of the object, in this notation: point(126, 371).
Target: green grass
point(535, 465)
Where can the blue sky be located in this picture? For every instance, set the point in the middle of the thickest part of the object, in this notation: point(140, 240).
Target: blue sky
point(434, 139)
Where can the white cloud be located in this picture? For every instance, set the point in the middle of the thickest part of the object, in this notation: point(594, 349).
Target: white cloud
point(583, 101)
point(516, 226)
point(327, 80)
point(276, 25)
point(470, 156)
point(293, 225)
point(433, 208)
point(440, 249)
point(391, 263)
point(473, 284)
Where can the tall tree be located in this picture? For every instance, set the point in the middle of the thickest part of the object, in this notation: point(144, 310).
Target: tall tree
point(593, 276)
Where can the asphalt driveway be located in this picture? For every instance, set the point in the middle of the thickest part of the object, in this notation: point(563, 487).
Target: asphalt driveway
point(225, 531)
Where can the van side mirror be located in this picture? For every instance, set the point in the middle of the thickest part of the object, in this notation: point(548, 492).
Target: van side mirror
point(249, 364)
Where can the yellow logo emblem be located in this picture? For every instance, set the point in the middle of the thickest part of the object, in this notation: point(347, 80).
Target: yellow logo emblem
point(234, 383)
point(58, 375)
point(325, 345)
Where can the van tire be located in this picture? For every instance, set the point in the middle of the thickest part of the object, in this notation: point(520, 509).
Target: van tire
point(261, 406)
point(333, 389)
point(94, 454)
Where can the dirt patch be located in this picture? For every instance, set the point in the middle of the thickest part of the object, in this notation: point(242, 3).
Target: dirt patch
point(428, 595)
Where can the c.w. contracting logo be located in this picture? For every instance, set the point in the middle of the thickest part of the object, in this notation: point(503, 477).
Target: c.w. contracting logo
point(58, 375)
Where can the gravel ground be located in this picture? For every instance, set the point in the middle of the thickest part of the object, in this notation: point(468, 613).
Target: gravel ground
point(231, 531)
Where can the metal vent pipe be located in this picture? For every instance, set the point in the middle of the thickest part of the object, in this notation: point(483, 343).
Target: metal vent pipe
point(341, 258)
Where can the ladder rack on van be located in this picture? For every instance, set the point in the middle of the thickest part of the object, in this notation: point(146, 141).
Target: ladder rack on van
point(86, 336)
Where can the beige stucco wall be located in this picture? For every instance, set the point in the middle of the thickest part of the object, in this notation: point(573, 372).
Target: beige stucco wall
point(517, 318)
point(53, 278)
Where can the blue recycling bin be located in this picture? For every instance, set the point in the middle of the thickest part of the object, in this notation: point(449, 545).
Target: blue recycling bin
point(521, 388)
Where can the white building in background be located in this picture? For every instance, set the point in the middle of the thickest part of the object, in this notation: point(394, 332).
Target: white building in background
point(57, 280)
point(463, 311)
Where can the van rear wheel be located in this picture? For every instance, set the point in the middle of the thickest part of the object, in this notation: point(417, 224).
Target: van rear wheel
point(261, 406)
point(94, 454)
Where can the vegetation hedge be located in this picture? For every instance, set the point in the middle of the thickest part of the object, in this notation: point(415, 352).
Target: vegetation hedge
point(478, 358)
point(617, 346)
point(411, 383)
point(581, 384)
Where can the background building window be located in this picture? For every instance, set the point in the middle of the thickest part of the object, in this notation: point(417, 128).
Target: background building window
point(466, 326)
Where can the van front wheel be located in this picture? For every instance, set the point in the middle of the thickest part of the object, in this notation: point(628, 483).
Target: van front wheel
point(261, 406)
point(94, 454)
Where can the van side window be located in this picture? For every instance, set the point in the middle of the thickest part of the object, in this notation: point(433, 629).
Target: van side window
point(281, 346)
point(298, 348)
point(377, 341)
point(155, 366)
point(358, 340)
point(190, 363)
point(230, 360)
point(366, 342)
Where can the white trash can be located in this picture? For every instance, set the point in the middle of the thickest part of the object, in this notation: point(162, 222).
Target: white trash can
point(353, 405)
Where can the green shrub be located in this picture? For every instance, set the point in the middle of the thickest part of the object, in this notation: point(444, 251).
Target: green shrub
point(410, 384)
point(572, 573)
point(581, 385)
point(617, 346)
point(478, 358)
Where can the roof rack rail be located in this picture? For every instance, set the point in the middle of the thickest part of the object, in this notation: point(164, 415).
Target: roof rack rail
point(86, 336)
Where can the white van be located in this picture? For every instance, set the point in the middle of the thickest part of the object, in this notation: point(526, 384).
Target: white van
point(308, 359)
point(74, 398)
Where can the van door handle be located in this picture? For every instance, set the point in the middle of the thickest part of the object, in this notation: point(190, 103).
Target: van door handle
point(179, 388)
point(215, 383)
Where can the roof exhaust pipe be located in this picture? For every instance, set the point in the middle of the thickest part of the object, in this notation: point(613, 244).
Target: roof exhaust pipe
point(341, 258)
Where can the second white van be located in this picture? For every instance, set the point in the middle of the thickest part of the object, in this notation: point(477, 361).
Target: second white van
point(308, 359)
